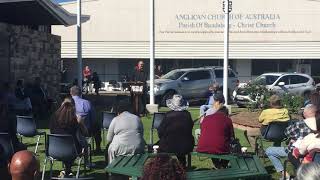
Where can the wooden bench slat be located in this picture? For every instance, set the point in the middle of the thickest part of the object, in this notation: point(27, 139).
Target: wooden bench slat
point(259, 165)
point(134, 159)
point(241, 167)
point(115, 162)
point(215, 156)
point(221, 174)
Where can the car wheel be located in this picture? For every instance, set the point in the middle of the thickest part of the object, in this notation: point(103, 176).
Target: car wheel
point(166, 96)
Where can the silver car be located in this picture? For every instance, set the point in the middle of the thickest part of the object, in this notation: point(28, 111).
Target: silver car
point(191, 83)
point(280, 83)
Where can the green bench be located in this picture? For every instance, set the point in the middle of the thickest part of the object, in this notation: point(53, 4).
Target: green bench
point(241, 167)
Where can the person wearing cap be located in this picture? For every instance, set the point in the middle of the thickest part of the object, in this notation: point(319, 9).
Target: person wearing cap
point(175, 131)
point(273, 114)
point(216, 132)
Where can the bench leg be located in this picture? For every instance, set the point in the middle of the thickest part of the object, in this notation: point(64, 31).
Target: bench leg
point(189, 161)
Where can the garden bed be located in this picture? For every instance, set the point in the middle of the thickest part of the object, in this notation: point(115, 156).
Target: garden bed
point(246, 119)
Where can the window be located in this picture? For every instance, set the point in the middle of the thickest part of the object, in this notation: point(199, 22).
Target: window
point(265, 79)
point(284, 79)
point(296, 79)
point(198, 75)
point(259, 67)
point(173, 75)
point(219, 73)
point(231, 74)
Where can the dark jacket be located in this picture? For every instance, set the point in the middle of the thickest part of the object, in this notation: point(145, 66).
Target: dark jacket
point(175, 133)
point(141, 76)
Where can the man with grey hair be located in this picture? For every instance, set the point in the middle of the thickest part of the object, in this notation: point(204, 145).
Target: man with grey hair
point(213, 89)
point(86, 111)
point(294, 132)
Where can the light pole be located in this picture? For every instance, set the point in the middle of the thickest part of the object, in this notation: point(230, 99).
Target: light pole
point(152, 107)
point(227, 7)
point(152, 44)
point(79, 45)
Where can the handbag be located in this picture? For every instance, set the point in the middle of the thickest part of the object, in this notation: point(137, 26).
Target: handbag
point(235, 146)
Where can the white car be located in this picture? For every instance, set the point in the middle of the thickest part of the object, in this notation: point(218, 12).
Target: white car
point(280, 83)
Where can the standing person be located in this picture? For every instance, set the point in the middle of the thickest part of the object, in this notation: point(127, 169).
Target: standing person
point(23, 104)
point(86, 111)
point(141, 76)
point(87, 78)
point(175, 130)
point(39, 98)
point(96, 82)
point(158, 71)
point(24, 166)
point(8, 95)
point(65, 121)
point(125, 134)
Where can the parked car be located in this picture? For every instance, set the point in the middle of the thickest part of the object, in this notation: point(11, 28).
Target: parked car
point(191, 83)
point(280, 83)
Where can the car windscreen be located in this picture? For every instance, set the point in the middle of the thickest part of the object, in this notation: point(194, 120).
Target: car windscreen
point(173, 75)
point(265, 79)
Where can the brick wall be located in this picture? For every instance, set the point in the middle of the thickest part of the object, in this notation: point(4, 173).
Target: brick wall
point(33, 53)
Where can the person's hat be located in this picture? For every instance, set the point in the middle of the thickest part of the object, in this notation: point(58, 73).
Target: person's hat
point(219, 97)
point(177, 103)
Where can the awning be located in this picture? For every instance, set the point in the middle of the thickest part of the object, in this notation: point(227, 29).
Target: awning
point(36, 12)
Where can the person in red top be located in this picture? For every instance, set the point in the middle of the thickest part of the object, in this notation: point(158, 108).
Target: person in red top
point(87, 78)
point(216, 132)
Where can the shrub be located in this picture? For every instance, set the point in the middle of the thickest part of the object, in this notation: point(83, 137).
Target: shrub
point(292, 102)
point(260, 96)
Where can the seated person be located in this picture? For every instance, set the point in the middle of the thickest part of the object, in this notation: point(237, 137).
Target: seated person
point(65, 121)
point(86, 110)
point(294, 132)
point(218, 105)
point(24, 166)
point(125, 134)
point(216, 133)
point(175, 130)
point(275, 113)
point(311, 142)
point(213, 90)
point(310, 171)
point(163, 167)
point(314, 99)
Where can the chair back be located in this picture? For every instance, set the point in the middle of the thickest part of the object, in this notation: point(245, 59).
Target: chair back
point(87, 121)
point(61, 147)
point(316, 156)
point(107, 118)
point(26, 126)
point(81, 178)
point(275, 131)
point(157, 119)
point(6, 148)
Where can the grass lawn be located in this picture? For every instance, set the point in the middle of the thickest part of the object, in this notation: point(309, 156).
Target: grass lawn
point(99, 173)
